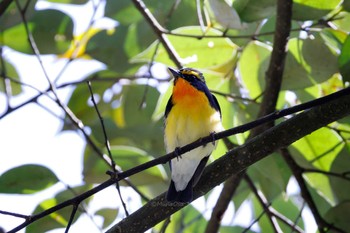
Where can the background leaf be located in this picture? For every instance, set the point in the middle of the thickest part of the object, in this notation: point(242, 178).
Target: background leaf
point(27, 179)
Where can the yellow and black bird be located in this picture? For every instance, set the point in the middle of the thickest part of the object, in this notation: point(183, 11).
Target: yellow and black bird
point(192, 112)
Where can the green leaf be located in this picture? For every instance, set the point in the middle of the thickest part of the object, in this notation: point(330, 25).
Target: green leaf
point(320, 149)
point(108, 215)
point(27, 179)
point(138, 108)
point(109, 48)
point(129, 157)
point(342, 21)
point(308, 62)
point(254, 10)
point(252, 67)
point(344, 60)
point(125, 157)
point(340, 186)
point(313, 9)
point(289, 210)
point(272, 174)
point(12, 87)
point(334, 38)
point(339, 215)
point(12, 15)
point(54, 37)
point(242, 193)
point(60, 218)
point(193, 52)
point(224, 14)
point(187, 220)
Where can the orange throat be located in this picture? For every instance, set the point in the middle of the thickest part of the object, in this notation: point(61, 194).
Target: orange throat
point(185, 93)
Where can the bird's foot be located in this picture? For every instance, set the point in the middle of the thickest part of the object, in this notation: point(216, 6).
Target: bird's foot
point(177, 153)
point(212, 135)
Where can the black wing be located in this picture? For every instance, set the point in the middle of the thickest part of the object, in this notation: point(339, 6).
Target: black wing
point(169, 106)
point(215, 104)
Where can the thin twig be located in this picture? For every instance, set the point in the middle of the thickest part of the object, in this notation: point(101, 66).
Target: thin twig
point(323, 226)
point(158, 30)
point(321, 103)
point(108, 147)
point(14, 214)
point(264, 204)
point(71, 218)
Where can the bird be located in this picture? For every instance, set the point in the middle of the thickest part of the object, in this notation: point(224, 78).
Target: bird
point(192, 112)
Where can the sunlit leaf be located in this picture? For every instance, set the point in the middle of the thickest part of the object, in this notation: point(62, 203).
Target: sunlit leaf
point(313, 9)
point(308, 62)
point(320, 149)
point(60, 218)
point(342, 21)
point(27, 179)
point(193, 52)
point(12, 88)
point(253, 65)
point(224, 14)
point(334, 38)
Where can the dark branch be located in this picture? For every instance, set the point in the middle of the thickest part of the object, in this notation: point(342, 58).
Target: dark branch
point(239, 159)
point(158, 30)
point(264, 204)
point(326, 110)
point(323, 226)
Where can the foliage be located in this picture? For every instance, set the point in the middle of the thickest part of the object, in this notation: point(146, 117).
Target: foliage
point(131, 97)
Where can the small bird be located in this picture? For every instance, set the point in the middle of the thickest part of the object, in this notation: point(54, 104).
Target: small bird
point(192, 112)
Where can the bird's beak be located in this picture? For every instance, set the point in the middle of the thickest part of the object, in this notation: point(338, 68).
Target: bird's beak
point(175, 73)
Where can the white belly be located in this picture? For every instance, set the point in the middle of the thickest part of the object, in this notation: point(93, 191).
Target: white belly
point(184, 130)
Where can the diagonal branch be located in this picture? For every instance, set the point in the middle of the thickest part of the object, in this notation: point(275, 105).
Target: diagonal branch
point(239, 159)
point(273, 80)
point(325, 110)
point(323, 226)
point(264, 204)
point(158, 30)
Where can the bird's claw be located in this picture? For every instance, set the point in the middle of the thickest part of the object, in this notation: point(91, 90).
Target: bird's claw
point(177, 153)
point(212, 135)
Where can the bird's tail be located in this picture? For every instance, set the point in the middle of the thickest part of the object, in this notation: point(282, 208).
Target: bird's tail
point(184, 196)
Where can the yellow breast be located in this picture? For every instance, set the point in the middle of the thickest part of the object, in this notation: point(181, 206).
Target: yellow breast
point(190, 118)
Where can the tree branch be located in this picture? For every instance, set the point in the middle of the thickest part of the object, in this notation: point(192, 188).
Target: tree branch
point(323, 226)
point(274, 74)
point(239, 159)
point(264, 204)
point(158, 30)
point(222, 203)
point(273, 80)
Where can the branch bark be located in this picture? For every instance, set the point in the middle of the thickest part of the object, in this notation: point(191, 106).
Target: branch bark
point(273, 79)
point(238, 159)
